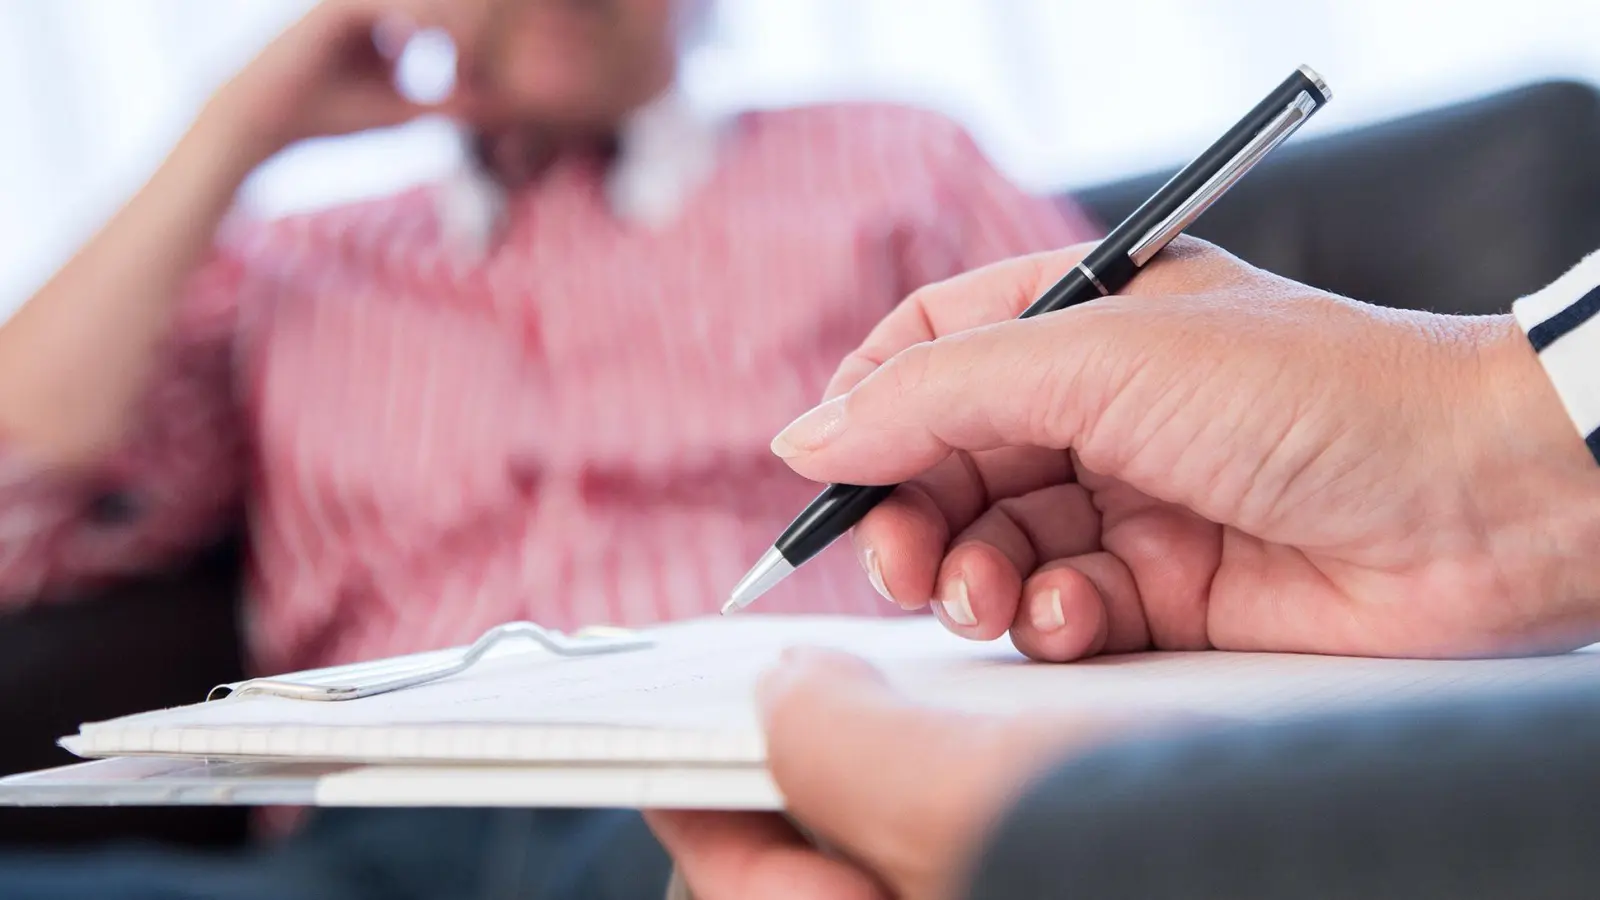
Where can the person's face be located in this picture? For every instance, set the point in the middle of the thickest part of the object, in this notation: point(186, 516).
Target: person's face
point(572, 63)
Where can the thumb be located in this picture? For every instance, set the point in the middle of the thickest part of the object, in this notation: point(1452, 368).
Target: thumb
point(811, 682)
point(832, 723)
point(1013, 384)
point(905, 790)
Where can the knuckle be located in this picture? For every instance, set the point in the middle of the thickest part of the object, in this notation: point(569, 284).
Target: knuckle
point(856, 366)
point(1051, 384)
point(1189, 266)
point(908, 371)
point(918, 299)
point(1186, 246)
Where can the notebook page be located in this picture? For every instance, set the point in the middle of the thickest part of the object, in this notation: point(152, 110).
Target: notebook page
point(691, 697)
point(699, 677)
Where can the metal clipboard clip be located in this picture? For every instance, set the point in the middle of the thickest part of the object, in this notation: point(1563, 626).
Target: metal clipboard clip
point(382, 676)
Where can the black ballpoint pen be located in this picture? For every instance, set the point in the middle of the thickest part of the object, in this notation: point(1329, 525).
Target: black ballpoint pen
point(1114, 263)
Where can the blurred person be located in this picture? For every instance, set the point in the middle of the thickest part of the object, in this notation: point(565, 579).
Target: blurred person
point(1220, 459)
point(540, 390)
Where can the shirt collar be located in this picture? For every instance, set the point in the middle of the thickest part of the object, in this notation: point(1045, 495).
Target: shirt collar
point(666, 150)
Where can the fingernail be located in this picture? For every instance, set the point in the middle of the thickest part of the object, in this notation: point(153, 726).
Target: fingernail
point(1047, 614)
point(811, 431)
point(794, 666)
point(791, 661)
point(869, 561)
point(957, 605)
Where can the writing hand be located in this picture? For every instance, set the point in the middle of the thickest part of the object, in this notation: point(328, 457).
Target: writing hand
point(1222, 458)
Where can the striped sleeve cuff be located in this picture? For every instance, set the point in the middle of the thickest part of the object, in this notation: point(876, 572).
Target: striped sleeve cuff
point(1563, 323)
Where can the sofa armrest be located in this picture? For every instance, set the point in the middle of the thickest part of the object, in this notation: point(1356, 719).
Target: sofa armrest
point(137, 645)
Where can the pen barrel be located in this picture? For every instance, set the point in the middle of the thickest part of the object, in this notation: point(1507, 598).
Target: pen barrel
point(1192, 177)
point(1106, 270)
point(1074, 288)
point(835, 511)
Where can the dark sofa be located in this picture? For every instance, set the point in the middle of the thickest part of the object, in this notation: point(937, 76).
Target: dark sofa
point(1461, 209)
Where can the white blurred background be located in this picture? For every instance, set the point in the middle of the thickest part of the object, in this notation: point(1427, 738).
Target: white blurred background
point(1061, 93)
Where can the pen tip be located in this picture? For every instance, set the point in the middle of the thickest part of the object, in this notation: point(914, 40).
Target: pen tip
point(763, 577)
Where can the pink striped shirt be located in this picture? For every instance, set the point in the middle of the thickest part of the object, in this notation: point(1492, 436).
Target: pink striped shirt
point(571, 428)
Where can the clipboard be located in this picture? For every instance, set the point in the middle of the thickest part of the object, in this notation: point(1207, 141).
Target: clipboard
point(185, 781)
point(169, 781)
point(679, 722)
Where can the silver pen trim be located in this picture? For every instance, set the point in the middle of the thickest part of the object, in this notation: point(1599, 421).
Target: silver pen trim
point(764, 576)
point(1094, 280)
point(1316, 79)
point(1276, 132)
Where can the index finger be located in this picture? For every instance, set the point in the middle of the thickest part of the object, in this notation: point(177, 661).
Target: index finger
point(993, 293)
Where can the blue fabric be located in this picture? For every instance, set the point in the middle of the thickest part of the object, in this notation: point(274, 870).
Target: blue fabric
point(1492, 797)
point(433, 854)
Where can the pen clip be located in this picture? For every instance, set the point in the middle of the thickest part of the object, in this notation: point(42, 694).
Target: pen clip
point(1276, 132)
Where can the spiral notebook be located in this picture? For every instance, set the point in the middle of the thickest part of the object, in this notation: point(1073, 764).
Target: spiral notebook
point(675, 717)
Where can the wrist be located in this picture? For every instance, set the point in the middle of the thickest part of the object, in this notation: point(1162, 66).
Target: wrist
point(200, 179)
point(230, 132)
point(1535, 480)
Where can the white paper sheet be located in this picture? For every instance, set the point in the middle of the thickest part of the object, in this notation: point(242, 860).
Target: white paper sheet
point(689, 700)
